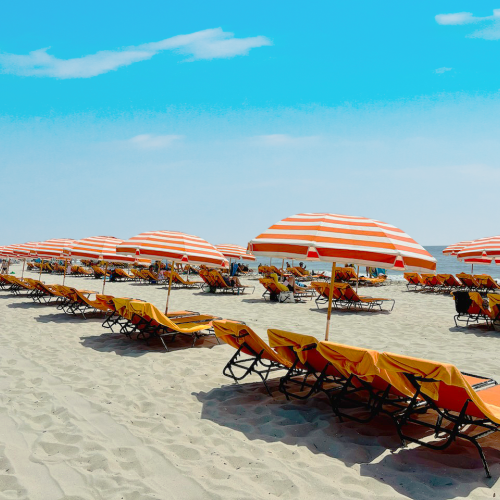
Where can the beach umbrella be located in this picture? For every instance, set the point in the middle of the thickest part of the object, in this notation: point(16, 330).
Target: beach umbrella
point(342, 238)
point(486, 249)
point(175, 247)
point(22, 251)
point(234, 252)
point(455, 248)
point(50, 249)
point(102, 248)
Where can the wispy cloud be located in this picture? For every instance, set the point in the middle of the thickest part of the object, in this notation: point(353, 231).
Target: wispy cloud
point(206, 44)
point(148, 141)
point(444, 69)
point(284, 140)
point(491, 32)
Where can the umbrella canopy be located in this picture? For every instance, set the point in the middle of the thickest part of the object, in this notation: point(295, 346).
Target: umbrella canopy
point(175, 247)
point(342, 238)
point(234, 252)
point(54, 248)
point(455, 248)
point(101, 248)
point(483, 248)
point(7, 253)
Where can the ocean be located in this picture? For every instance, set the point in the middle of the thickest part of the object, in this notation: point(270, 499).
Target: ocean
point(445, 264)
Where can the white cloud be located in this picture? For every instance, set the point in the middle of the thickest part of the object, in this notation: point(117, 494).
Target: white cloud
point(284, 140)
point(206, 44)
point(148, 141)
point(491, 32)
point(444, 69)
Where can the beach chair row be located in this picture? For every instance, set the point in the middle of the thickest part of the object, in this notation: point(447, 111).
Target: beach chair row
point(472, 308)
point(214, 282)
point(349, 275)
point(133, 317)
point(276, 291)
point(419, 395)
point(345, 297)
point(449, 282)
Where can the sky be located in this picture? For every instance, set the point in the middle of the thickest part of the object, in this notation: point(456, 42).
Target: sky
point(220, 118)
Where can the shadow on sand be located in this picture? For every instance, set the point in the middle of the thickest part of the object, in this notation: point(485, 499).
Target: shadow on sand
point(124, 346)
point(374, 447)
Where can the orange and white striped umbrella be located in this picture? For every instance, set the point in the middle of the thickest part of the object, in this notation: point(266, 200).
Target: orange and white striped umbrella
point(24, 250)
point(343, 238)
point(101, 248)
point(456, 247)
point(173, 246)
point(54, 248)
point(234, 252)
point(483, 248)
point(7, 253)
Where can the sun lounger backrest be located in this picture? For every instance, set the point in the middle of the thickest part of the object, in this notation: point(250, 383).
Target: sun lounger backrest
point(441, 382)
point(486, 281)
point(236, 335)
point(291, 346)
point(494, 302)
point(363, 363)
point(148, 310)
point(280, 286)
point(470, 303)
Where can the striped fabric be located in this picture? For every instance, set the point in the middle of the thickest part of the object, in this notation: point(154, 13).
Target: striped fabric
point(5, 252)
point(342, 238)
point(234, 252)
point(174, 246)
point(50, 248)
point(456, 247)
point(102, 248)
point(485, 248)
point(22, 250)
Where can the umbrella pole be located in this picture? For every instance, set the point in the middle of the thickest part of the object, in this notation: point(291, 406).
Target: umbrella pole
point(22, 274)
point(105, 274)
point(65, 267)
point(8, 266)
point(169, 285)
point(357, 280)
point(40, 274)
point(330, 299)
point(472, 269)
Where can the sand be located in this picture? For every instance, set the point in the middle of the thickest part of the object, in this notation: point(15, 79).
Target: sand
point(88, 414)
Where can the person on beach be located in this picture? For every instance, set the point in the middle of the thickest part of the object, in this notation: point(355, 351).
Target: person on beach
point(5, 267)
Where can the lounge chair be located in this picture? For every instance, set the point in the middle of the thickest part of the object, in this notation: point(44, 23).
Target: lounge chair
point(461, 410)
point(122, 274)
point(432, 282)
point(217, 284)
point(323, 290)
point(486, 283)
point(469, 282)
point(261, 359)
point(494, 303)
point(150, 322)
point(99, 272)
point(309, 371)
point(276, 290)
point(365, 385)
point(470, 308)
point(16, 285)
point(450, 282)
point(137, 273)
point(414, 280)
point(355, 301)
point(179, 282)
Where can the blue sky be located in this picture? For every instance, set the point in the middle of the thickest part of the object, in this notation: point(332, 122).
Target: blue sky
point(220, 118)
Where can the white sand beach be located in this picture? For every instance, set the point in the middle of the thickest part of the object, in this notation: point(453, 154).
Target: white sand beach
point(90, 414)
